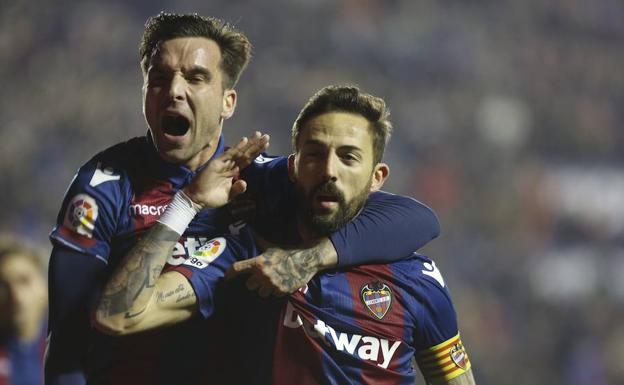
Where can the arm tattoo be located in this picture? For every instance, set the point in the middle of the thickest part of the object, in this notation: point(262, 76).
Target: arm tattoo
point(292, 269)
point(131, 286)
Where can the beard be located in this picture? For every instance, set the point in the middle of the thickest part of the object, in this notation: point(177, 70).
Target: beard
point(323, 222)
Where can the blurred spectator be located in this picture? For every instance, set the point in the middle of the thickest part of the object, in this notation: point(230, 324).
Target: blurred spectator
point(23, 304)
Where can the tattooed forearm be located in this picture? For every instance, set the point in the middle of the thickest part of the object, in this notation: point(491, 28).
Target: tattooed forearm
point(131, 285)
point(291, 269)
point(186, 296)
point(164, 296)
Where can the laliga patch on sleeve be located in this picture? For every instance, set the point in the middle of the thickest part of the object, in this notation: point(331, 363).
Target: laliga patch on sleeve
point(81, 214)
point(203, 256)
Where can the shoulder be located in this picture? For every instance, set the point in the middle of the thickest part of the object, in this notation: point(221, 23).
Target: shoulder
point(109, 171)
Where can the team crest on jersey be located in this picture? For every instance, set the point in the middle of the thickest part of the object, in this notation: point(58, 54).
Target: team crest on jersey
point(459, 356)
point(82, 211)
point(377, 297)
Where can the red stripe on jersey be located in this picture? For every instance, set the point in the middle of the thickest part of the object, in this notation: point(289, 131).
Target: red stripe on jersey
point(74, 237)
point(297, 357)
point(149, 201)
point(391, 326)
point(5, 366)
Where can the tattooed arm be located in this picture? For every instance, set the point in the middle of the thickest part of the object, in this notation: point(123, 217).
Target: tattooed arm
point(138, 297)
point(279, 271)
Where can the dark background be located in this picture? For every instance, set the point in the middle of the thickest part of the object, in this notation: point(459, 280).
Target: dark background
point(508, 121)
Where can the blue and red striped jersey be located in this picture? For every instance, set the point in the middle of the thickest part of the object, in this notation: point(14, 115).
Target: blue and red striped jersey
point(121, 192)
point(360, 325)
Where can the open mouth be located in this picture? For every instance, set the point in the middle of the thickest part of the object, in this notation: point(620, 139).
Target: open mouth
point(175, 125)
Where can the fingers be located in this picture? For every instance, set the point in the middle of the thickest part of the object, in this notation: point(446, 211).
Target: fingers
point(253, 283)
point(237, 188)
point(248, 149)
point(265, 291)
point(258, 280)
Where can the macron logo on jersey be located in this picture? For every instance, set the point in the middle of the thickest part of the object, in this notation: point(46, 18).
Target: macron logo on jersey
point(102, 175)
point(364, 347)
point(139, 209)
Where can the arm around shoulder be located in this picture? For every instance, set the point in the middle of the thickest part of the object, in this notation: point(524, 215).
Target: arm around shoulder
point(389, 228)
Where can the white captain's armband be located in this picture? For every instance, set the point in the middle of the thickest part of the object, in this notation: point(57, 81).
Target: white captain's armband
point(444, 361)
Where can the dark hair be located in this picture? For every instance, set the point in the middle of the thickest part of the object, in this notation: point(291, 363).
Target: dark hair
point(349, 99)
point(234, 45)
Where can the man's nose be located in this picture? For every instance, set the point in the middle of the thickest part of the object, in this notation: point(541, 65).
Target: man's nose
point(177, 88)
point(329, 169)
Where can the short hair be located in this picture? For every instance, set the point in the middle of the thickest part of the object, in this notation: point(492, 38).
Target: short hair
point(234, 45)
point(349, 99)
point(11, 245)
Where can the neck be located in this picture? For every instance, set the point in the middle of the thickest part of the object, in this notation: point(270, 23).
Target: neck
point(305, 233)
point(204, 155)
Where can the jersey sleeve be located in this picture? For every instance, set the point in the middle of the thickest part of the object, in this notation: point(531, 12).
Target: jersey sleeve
point(389, 228)
point(207, 266)
point(440, 353)
point(89, 214)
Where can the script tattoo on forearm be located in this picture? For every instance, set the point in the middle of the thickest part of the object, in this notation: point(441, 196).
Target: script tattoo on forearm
point(132, 284)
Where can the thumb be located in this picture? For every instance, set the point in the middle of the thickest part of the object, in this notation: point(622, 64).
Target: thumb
point(238, 187)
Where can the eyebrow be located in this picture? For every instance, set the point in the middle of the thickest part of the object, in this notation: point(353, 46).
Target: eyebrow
point(316, 142)
point(195, 70)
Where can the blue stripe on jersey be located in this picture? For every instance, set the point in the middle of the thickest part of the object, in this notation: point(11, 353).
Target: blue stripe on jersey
point(408, 374)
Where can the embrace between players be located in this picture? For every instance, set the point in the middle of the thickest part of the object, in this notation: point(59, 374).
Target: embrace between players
point(363, 306)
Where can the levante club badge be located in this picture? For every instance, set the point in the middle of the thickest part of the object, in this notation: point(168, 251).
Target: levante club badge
point(377, 298)
point(459, 356)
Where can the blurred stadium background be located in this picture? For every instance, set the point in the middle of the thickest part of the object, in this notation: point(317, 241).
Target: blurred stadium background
point(508, 121)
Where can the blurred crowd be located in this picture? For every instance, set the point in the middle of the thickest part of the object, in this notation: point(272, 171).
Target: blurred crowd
point(506, 117)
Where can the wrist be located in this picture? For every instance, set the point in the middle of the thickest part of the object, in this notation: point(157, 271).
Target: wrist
point(179, 213)
point(192, 197)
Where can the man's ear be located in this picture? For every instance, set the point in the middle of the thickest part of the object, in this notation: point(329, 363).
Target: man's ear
point(380, 174)
point(229, 103)
point(291, 167)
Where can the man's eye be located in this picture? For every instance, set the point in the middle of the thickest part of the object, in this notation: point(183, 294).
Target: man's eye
point(309, 152)
point(195, 79)
point(350, 157)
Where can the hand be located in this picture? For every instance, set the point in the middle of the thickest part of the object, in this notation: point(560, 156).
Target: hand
point(282, 271)
point(214, 186)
